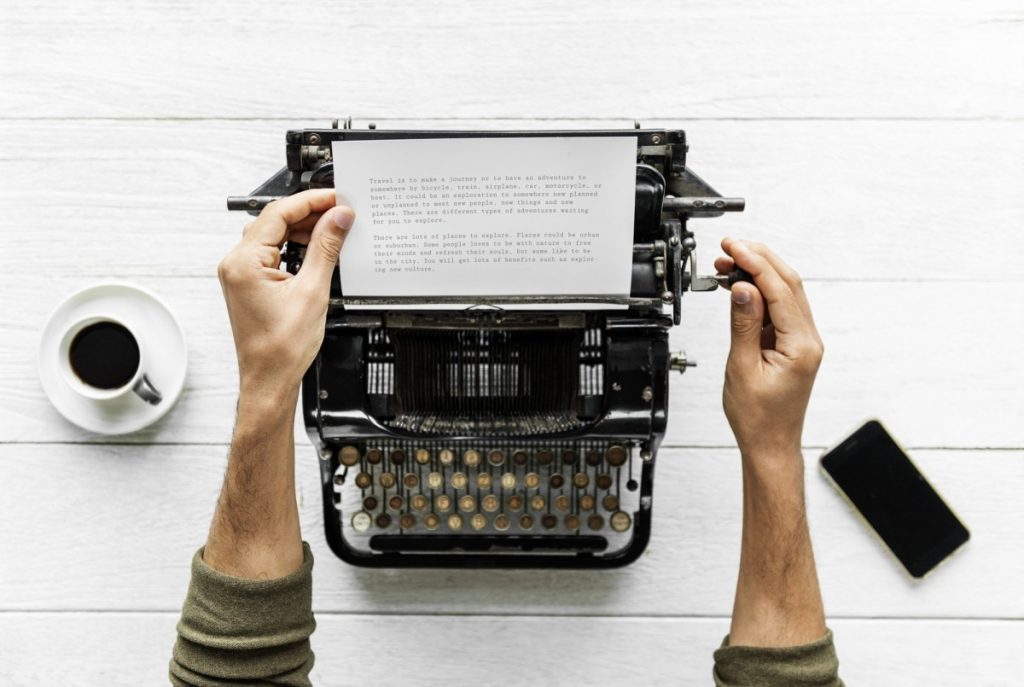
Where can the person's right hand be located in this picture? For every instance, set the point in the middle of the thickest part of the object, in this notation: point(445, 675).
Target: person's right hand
point(771, 368)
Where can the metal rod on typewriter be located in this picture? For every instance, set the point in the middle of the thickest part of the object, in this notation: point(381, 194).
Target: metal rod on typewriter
point(703, 207)
point(494, 300)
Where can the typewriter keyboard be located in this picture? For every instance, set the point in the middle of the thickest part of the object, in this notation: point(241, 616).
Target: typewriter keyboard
point(585, 487)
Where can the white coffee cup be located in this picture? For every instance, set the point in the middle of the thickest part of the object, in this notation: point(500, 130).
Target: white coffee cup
point(102, 359)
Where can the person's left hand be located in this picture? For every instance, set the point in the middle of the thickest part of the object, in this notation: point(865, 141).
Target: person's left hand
point(277, 318)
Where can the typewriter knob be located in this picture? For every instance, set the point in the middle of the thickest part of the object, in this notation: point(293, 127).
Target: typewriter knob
point(678, 362)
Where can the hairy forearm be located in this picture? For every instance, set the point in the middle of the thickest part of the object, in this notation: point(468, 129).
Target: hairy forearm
point(778, 601)
point(255, 530)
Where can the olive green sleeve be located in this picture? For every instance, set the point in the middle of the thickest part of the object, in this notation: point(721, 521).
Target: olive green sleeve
point(235, 631)
point(807, 665)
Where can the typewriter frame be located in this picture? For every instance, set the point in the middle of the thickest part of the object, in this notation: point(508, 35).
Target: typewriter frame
point(668, 194)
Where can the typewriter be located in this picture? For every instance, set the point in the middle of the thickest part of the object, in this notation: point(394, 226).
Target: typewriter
point(499, 435)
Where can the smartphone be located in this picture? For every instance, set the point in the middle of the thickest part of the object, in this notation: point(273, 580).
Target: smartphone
point(895, 499)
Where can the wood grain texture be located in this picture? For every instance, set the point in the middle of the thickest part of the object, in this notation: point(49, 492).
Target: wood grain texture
point(114, 528)
point(913, 58)
point(116, 649)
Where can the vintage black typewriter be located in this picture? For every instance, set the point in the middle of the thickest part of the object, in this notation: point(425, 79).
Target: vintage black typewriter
point(497, 436)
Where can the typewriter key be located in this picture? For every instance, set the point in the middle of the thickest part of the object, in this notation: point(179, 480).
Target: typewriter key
point(501, 522)
point(537, 503)
point(422, 456)
point(515, 502)
point(471, 458)
point(532, 480)
point(407, 521)
point(594, 458)
point(562, 503)
point(435, 480)
point(459, 480)
point(363, 480)
point(632, 485)
point(374, 456)
point(443, 502)
point(520, 457)
point(483, 480)
point(544, 457)
point(397, 456)
point(361, 521)
point(556, 481)
point(446, 456)
point(586, 502)
point(411, 481)
point(617, 455)
point(396, 502)
point(387, 480)
point(572, 522)
point(526, 522)
point(508, 480)
point(595, 522)
point(610, 502)
point(431, 521)
point(383, 520)
point(349, 456)
point(604, 481)
point(455, 521)
point(569, 457)
point(490, 503)
point(478, 521)
point(549, 522)
point(467, 503)
point(581, 480)
point(620, 521)
point(370, 503)
point(419, 502)
point(496, 457)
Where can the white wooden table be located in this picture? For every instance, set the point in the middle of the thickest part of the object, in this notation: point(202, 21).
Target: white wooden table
point(879, 145)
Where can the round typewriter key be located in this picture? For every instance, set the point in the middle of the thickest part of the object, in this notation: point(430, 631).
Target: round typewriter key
point(349, 456)
point(581, 480)
point(361, 521)
point(587, 502)
point(467, 503)
point(455, 521)
point(520, 457)
point(459, 480)
point(435, 480)
point(396, 502)
point(370, 503)
point(572, 522)
point(422, 456)
point(478, 521)
point(446, 456)
point(556, 481)
point(501, 522)
point(508, 480)
point(419, 502)
point(490, 503)
point(471, 458)
point(604, 481)
point(531, 480)
point(407, 521)
point(595, 522)
point(549, 522)
point(569, 457)
point(594, 458)
point(562, 502)
point(526, 522)
point(616, 455)
point(496, 457)
point(483, 480)
point(383, 520)
point(515, 502)
point(632, 485)
point(387, 480)
point(610, 502)
point(374, 456)
point(411, 481)
point(363, 480)
point(397, 456)
point(544, 457)
point(443, 502)
point(537, 503)
point(431, 521)
point(620, 521)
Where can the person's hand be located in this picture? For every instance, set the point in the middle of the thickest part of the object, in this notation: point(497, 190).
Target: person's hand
point(278, 318)
point(772, 363)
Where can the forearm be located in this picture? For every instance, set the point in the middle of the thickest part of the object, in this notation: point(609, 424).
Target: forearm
point(778, 600)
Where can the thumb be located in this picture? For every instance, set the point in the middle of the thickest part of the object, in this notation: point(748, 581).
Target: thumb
point(325, 245)
point(747, 319)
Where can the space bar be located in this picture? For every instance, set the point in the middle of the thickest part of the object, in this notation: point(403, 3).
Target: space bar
point(486, 542)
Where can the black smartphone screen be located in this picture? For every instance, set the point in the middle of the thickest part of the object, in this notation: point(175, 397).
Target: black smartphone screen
point(895, 498)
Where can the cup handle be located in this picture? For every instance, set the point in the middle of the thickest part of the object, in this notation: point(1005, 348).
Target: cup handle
point(146, 391)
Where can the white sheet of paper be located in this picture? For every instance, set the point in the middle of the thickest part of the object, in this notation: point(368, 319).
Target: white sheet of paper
point(488, 216)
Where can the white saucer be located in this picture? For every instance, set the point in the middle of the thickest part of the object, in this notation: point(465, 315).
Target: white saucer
point(164, 351)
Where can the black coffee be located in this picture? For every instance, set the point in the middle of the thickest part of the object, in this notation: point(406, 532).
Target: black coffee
point(104, 355)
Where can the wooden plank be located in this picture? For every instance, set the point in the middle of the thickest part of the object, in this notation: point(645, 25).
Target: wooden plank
point(133, 649)
point(114, 527)
point(910, 58)
point(926, 358)
point(889, 201)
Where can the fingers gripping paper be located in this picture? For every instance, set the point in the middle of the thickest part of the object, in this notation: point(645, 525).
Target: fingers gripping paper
point(481, 217)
